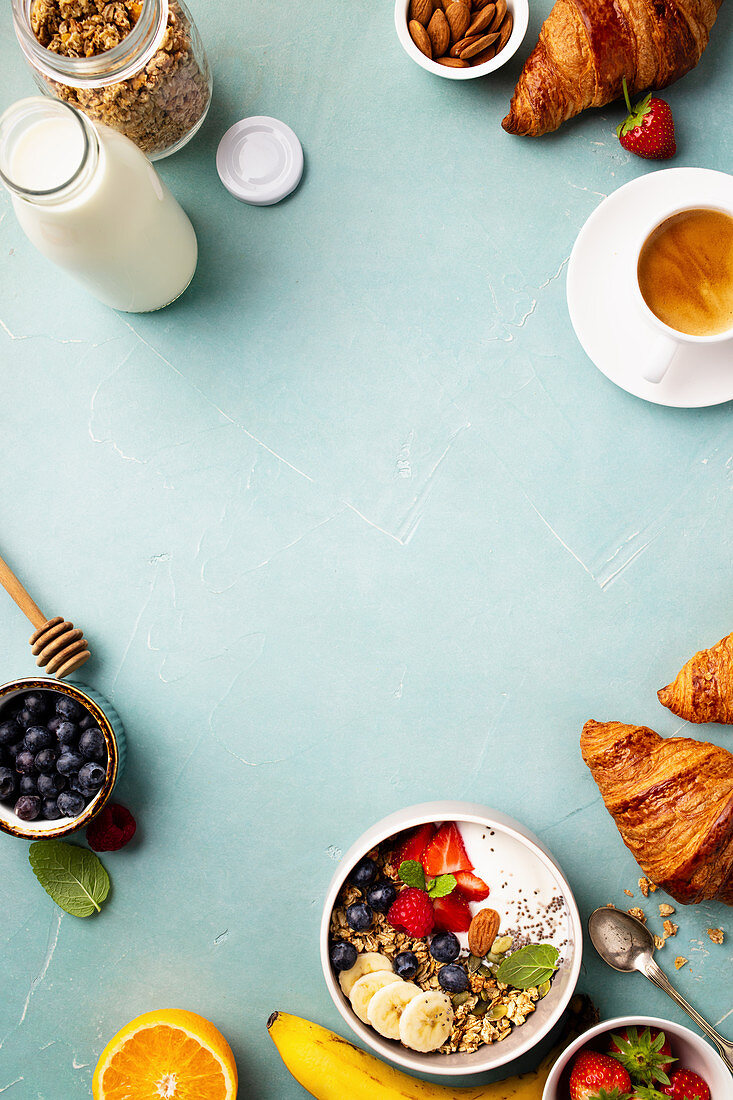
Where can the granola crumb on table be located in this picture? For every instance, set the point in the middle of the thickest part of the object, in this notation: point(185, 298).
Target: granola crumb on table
point(157, 106)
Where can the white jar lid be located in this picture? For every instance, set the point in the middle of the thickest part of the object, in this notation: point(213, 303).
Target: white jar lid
point(260, 160)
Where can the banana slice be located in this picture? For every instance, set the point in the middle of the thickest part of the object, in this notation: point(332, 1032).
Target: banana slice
point(366, 963)
point(387, 1005)
point(427, 1021)
point(365, 989)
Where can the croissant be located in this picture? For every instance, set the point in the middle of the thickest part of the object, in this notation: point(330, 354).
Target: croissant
point(586, 47)
point(672, 801)
point(703, 690)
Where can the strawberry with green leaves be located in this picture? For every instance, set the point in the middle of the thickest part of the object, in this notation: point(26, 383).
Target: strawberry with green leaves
point(596, 1076)
point(646, 1055)
point(648, 129)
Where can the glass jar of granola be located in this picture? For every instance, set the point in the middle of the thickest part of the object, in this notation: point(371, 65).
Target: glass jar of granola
point(137, 66)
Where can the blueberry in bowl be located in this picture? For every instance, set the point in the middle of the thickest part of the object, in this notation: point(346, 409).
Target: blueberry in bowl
point(62, 749)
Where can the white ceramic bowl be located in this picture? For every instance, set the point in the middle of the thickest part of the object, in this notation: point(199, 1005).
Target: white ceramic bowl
point(549, 1010)
point(520, 14)
point(692, 1051)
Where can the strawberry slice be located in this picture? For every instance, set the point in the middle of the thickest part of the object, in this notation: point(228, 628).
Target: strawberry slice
point(471, 886)
point(451, 913)
point(414, 846)
point(445, 854)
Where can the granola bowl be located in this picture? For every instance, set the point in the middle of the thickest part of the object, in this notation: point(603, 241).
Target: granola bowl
point(691, 1051)
point(455, 1017)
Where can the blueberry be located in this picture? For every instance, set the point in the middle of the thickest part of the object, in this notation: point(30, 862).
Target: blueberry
point(381, 895)
point(13, 750)
point(70, 803)
point(37, 738)
point(343, 955)
point(69, 762)
point(363, 873)
point(25, 762)
point(54, 723)
point(46, 761)
point(405, 965)
point(67, 733)
point(50, 809)
point(359, 916)
point(87, 722)
point(25, 718)
point(8, 732)
point(91, 776)
point(72, 782)
point(7, 784)
point(4, 757)
point(35, 703)
point(28, 784)
point(453, 979)
point(444, 947)
point(92, 745)
point(69, 708)
point(50, 785)
point(28, 807)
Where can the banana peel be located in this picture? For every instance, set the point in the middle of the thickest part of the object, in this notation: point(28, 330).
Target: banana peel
point(330, 1068)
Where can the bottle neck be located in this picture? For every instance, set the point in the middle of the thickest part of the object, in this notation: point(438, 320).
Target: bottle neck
point(49, 151)
point(110, 67)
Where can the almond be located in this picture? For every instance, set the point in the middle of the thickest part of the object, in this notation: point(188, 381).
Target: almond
point(458, 16)
point(481, 21)
point(479, 4)
point(483, 931)
point(478, 46)
point(464, 43)
point(505, 32)
point(420, 37)
point(439, 33)
point(453, 62)
point(499, 14)
point(485, 55)
point(421, 11)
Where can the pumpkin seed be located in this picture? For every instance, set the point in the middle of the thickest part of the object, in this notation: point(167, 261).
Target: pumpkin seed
point(501, 945)
point(498, 1012)
point(461, 998)
point(480, 1008)
point(484, 994)
point(474, 962)
point(492, 957)
point(486, 972)
point(544, 989)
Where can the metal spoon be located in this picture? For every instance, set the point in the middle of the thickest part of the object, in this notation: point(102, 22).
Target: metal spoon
point(626, 944)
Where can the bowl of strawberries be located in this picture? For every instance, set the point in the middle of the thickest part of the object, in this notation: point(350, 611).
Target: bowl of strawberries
point(639, 1058)
point(450, 940)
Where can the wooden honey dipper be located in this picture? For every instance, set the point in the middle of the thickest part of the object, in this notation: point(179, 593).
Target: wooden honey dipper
point(57, 645)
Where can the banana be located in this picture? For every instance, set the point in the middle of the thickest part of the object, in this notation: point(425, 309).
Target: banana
point(365, 989)
point(366, 963)
point(330, 1068)
point(388, 1004)
point(427, 1021)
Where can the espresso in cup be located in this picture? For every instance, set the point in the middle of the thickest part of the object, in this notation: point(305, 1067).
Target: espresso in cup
point(685, 272)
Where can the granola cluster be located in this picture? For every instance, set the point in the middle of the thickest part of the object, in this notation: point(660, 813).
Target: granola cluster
point(158, 106)
point(485, 1014)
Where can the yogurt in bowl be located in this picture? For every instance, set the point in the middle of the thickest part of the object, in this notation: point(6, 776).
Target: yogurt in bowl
point(450, 941)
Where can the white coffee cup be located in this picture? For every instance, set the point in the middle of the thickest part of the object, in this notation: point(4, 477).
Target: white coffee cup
point(669, 340)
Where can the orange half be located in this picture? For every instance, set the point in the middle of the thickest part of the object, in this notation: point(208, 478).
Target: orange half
point(167, 1055)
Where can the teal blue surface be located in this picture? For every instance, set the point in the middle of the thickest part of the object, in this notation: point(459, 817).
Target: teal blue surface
point(354, 524)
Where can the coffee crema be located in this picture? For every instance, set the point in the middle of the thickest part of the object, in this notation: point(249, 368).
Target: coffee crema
point(685, 272)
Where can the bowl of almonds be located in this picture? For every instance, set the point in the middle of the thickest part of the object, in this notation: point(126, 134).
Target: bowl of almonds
point(461, 39)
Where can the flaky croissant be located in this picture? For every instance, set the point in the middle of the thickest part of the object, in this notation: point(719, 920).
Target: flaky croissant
point(703, 690)
point(672, 801)
point(587, 47)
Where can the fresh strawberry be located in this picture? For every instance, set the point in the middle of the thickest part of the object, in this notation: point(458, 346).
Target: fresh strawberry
point(414, 846)
point(446, 853)
point(686, 1085)
point(471, 886)
point(412, 912)
point(648, 129)
point(646, 1054)
point(594, 1075)
point(452, 913)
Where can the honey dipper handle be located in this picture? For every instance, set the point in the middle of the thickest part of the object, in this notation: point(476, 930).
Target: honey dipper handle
point(16, 591)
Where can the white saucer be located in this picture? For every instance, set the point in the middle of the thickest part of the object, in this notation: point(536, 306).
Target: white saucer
point(609, 326)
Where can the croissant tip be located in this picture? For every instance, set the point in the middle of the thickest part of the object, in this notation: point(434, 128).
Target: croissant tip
point(664, 695)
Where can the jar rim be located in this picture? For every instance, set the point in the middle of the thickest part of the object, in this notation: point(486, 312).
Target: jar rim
point(109, 67)
point(90, 150)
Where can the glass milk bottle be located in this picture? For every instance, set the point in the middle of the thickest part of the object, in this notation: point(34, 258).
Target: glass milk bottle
point(92, 203)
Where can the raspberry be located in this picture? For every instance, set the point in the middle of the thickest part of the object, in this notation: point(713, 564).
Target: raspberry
point(112, 828)
point(412, 913)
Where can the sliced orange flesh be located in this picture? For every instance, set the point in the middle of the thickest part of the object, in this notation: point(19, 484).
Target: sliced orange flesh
point(163, 1063)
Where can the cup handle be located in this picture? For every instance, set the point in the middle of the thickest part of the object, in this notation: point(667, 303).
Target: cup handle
point(660, 358)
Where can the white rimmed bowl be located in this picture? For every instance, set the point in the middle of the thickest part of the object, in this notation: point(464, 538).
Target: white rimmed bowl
point(549, 1010)
point(691, 1051)
point(108, 721)
point(519, 10)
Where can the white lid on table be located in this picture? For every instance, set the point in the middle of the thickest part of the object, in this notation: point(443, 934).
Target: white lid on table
point(260, 160)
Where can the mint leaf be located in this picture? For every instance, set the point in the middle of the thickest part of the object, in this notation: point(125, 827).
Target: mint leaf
point(441, 886)
point(73, 876)
point(529, 966)
point(412, 874)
